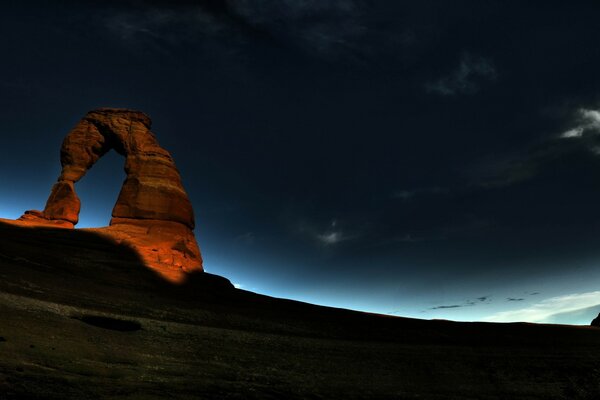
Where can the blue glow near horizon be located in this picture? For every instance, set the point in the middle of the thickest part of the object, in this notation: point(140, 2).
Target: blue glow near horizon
point(258, 277)
point(567, 300)
point(99, 189)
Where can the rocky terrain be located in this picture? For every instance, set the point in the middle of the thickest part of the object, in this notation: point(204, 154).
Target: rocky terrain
point(84, 318)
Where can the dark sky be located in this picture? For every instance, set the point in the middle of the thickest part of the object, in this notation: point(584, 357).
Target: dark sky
point(434, 159)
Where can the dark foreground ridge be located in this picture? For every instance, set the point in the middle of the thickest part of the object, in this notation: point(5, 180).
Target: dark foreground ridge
point(82, 317)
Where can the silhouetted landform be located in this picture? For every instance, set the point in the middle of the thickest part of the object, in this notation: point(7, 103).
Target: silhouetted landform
point(596, 321)
point(204, 339)
point(153, 213)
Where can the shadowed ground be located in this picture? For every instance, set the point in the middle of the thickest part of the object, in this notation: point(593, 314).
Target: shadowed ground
point(82, 318)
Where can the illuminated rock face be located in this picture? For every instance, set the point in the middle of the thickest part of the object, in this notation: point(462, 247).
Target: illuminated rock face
point(153, 213)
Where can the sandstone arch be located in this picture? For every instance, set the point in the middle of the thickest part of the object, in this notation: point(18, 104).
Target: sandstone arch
point(153, 213)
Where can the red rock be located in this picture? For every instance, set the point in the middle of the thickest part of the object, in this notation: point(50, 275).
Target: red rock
point(153, 213)
point(63, 203)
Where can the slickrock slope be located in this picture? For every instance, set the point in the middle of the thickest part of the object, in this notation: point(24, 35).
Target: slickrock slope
point(83, 318)
point(153, 213)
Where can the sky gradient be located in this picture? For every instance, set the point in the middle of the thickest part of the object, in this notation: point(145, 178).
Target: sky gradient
point(429, 159)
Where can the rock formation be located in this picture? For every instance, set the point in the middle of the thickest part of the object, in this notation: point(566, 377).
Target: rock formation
point(153, 213)
point(596, 322)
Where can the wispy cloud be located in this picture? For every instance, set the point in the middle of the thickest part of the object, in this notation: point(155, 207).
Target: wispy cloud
point(247, 238)
point(407, 238)
point(545, 309)
point(466, 303)
point(586, 125)
point(443, 307)
point(466, 78)
point(327, 236)
point(404, 194)
point(162, 27)
point(333, 235)
point(410, 194)
point(479, 301)
point(320, 27)
point(572, 133)
point(581, 137)
point(508, 170)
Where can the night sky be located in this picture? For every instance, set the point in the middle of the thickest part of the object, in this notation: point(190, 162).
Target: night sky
point(430, 159)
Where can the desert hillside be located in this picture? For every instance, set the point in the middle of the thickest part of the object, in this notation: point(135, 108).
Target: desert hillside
point(83, 318)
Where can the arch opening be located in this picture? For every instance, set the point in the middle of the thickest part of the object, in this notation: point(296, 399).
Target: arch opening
point(99, 189)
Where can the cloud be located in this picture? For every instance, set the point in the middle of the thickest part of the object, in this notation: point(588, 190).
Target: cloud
point(508, 171)
point(546, 309)
point(467, 303)
point(247, 238)
point(407, 238)
point(582, 316)
point(582, 136)
point(407, 195)
point(319, 27)
point(332, 234)
point(587, 123)
point(466, 78)
point(514, 299)
point(162, 27)
point(404, 194)
point(322, 28)
point(482, 300)
point(572, 133)
point(331, 238)
point(448, 306)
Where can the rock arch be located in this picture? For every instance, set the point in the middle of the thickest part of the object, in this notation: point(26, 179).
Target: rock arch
point(153, 213)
